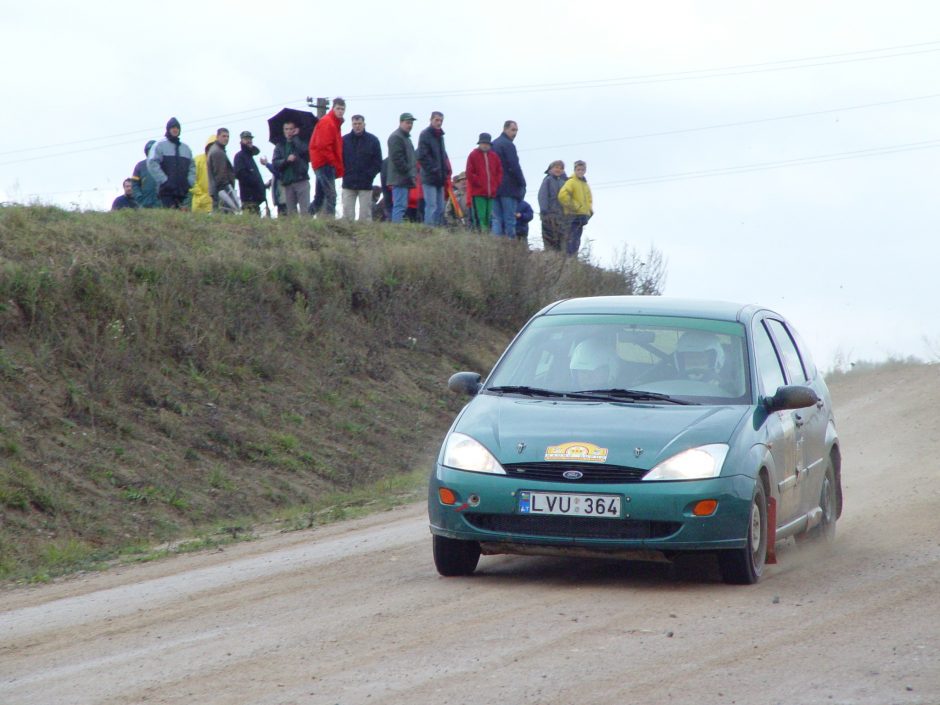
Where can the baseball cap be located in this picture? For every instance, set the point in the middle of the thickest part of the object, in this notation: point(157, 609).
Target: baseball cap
point(246, 135)
point(406, 116)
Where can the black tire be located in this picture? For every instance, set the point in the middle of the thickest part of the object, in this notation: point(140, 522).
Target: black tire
point(744, 566)
point(825, 530)
point(453, 557)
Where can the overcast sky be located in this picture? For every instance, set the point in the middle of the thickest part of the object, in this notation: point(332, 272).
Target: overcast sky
point(776, 153)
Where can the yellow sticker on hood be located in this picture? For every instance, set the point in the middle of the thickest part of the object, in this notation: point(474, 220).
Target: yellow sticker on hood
point(577, 451)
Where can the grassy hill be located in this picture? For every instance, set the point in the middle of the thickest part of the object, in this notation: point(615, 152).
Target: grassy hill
point(166, 376)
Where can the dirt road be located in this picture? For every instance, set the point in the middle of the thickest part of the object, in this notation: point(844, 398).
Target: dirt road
point(355, 613)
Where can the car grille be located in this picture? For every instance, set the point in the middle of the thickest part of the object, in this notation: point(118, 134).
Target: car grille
point(574, 527)
point(590, 472)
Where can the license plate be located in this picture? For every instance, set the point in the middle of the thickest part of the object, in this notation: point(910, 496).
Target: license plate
point(567, 504)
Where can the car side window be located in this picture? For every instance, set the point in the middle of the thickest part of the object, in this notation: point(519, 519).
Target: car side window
point(788, 351)
point(765, 358)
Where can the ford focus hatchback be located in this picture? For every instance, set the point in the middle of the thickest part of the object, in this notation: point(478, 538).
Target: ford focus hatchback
point(640, 428)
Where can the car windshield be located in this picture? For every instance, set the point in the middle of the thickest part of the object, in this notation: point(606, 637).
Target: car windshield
point(634, 358)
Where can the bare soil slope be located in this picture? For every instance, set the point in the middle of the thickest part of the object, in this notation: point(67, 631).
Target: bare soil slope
point(355, 613)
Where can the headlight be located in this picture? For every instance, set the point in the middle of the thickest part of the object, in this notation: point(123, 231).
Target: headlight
point(693, 464)
point(464, 453)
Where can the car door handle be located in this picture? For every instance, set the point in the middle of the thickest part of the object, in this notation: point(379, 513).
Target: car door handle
point(798, 420)
point(820, 404)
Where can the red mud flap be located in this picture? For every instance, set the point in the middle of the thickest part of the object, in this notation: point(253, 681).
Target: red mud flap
point(771, 531)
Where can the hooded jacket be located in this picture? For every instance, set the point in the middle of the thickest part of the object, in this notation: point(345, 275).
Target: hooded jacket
point(144, 185)
point(326, 143)
point(513, 184)
point(202, 201)
point(362, 160)
point(171, 164)
point(432, 155)
point(484, 173)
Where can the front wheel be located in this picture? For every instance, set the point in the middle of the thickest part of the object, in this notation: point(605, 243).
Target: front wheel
point(453, 557)
point(744, 566)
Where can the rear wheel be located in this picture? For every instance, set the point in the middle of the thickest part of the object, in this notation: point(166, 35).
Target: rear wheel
point(744, 566)
point(453, 557)
point(826, 529)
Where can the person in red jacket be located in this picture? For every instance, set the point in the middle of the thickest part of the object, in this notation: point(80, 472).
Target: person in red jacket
point(326, 158)
point(484, 174)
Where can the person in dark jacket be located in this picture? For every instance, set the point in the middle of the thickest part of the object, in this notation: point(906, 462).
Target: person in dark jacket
point(292, 164)
point(145, 186)
point(435, 169)
point(554, 221)
point(171, 164)
point(512, 187)
point(524, 216)
point(362, 161)
point(250, 183)
point(402, 165)
point(221, 175)
point(126, 200)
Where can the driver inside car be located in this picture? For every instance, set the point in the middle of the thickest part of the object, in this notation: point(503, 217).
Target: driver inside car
point(593, 364)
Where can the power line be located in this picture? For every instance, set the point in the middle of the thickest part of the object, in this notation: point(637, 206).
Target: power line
point(740, 123)
point(763, 166)
point(718, 72)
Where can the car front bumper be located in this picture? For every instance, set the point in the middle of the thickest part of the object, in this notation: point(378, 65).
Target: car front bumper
point(656, 516)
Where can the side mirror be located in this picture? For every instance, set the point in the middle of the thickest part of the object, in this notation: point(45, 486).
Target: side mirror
point(792, 396)
point(465, 383)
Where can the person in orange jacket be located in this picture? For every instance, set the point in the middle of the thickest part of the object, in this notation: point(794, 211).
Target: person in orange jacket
point(326, 158)
point(484, 174)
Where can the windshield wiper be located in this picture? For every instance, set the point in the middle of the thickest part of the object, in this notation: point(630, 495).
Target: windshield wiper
point(528, 391)
point(633, 395)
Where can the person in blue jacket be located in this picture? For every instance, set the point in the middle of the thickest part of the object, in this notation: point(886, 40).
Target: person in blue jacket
point(512, 187)
point(171, 164)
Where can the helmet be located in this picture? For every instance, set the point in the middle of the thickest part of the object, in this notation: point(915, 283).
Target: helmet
point(699, 352)
point(593, 354)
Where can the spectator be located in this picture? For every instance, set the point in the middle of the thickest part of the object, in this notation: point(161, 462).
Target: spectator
point(291, 161)
point(250, 184)
point(435, 168)
point(553, 220)
point(524, 216)
point(484, 175)
point(512, 188)
point(362, 161)
point(145, 186)
point(576, 202)
point(277, 190)
point(201, 201)
point(402, 165)
point(126, 200)
point(457, 200)
point(221, 174)
point(326, 158)
point(171, 164)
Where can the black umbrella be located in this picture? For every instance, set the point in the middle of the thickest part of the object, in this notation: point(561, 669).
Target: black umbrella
point(304, 119)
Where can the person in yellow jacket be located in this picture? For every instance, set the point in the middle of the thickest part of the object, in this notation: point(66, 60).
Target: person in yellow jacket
point(577, 204)
point(202, 201)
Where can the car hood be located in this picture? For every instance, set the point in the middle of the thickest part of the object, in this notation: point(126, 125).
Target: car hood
point(520, 430)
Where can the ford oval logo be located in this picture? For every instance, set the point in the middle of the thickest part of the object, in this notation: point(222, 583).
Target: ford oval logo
point(572, 474)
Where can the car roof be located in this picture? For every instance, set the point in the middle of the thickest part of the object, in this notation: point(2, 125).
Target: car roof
point(654, 305)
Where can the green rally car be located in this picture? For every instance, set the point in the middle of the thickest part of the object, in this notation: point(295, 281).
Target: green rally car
point(640, 427)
